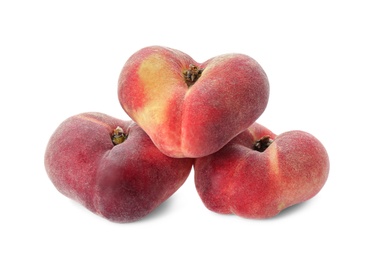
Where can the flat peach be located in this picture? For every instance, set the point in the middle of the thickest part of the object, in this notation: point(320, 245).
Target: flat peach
point(111, 167)
point(258, 173)
point(192, 109)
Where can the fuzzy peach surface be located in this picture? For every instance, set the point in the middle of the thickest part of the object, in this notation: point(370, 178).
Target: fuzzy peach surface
point(252, 184)
point(192, 121)
point(123, 182)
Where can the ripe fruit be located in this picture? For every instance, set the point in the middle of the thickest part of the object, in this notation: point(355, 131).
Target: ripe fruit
point(258, 173)
point(192, 109)
point(111, 167)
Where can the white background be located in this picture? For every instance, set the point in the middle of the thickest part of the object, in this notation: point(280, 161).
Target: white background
point(61, 58)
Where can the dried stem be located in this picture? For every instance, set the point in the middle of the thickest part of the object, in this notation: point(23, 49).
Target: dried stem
point(192, 74)
point(118, 136)
point(263, 143)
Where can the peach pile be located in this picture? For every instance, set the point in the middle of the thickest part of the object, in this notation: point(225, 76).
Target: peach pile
point(185, 115)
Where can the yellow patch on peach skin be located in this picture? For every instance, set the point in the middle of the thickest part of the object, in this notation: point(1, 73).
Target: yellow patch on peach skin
point(274, 171)
point(157, 80)
point(273, 160)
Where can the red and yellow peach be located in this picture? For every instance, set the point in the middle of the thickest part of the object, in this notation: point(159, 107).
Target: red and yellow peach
point(258, 173)
point(192, 109)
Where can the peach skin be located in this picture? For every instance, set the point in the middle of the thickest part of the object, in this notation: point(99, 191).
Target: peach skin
point(258, 174)
point(111, 167)
point(192, 109)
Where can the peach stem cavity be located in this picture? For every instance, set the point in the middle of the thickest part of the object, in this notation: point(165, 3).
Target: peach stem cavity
point(118, 136)
point(192, 74)
point(262, 144)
